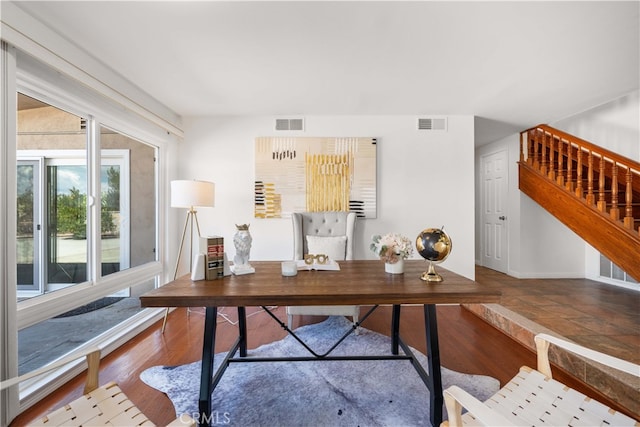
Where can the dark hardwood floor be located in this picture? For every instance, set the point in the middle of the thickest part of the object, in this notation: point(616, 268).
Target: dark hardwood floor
point(467, 344)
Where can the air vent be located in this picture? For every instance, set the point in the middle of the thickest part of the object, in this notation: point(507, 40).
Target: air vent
point(289, 124)
point(432, 124)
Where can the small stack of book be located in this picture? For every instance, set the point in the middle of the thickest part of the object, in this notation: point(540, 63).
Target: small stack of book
point(213, 248)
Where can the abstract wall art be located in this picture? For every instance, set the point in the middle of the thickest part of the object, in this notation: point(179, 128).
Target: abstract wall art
point(315, 174)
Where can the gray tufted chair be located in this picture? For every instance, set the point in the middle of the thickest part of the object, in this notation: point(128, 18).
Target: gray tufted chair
point(323, 224)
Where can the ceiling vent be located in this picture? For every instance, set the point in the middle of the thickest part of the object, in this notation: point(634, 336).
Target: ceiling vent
point(432, 124)
point(290, 124)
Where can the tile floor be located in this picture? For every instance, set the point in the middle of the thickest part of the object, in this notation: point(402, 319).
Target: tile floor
point(601, 316)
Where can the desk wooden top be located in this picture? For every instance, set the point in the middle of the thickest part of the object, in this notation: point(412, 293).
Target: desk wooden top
point(357, 282)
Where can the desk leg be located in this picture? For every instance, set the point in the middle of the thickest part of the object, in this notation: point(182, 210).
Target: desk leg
point(433, 361)
point(242, 330)
point(395, 329)
point(208, 351)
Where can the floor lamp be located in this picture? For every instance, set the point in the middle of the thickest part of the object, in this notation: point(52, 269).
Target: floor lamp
point(189, 194)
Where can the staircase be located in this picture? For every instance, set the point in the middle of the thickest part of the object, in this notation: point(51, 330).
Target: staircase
point(593, 191)
point(596, 193)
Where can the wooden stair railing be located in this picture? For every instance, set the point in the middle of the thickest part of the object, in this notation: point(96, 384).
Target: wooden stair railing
point(605, 183)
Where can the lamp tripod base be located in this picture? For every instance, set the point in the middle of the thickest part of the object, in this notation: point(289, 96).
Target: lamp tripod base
point(431, 275)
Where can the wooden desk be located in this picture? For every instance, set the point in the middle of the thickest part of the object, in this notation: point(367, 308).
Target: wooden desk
point(357, 283)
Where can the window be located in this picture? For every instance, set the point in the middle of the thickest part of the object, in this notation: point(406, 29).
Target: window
point(81, 219)
point(52, 185)
point(72, 252)
point(128, 201)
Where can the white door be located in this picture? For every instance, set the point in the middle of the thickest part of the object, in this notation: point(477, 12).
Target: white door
point(494, 211)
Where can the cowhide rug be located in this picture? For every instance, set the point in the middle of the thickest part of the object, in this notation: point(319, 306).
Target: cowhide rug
point(327, 393)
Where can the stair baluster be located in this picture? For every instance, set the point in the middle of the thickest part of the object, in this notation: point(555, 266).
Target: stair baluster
point(543, 162)
point(590, 197)
point(536, 159)
point(628, 215)
point(579, 190)
point(614, 213)
point(560, 176)
point(602, 203)
point(569, 183)
point(552, 162)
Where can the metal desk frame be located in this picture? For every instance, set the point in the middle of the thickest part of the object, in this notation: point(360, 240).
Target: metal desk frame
point(210, 379)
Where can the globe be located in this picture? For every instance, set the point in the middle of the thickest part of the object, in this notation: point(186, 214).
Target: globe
point(434, 245)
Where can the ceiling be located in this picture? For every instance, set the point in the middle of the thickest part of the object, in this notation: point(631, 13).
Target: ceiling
point(511, 64)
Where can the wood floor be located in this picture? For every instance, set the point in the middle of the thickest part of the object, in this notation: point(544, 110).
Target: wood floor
point(467, 344)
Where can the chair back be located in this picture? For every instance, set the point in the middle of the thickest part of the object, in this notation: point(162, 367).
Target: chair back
point(322, 224)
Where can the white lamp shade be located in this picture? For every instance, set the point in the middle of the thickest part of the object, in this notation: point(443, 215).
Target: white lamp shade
point(192, 193)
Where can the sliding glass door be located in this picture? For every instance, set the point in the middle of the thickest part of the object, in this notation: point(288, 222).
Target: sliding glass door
point(66, 212)
point(28, 227)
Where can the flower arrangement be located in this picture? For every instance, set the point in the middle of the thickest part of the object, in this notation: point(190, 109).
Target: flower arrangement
point(392, 247)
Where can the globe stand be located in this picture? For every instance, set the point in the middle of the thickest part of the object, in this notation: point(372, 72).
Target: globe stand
point(431, 275)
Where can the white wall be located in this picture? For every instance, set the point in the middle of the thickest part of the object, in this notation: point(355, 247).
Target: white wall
point(425, 179)
point(548, 249)
point(614, 125)
point(539, 244)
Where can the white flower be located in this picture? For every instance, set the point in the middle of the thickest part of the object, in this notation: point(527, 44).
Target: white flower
point(392, 247)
